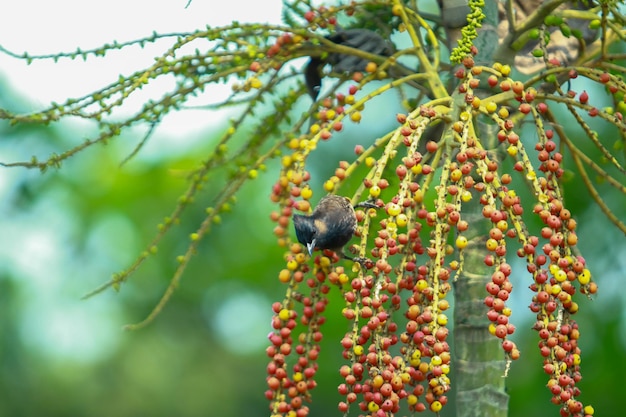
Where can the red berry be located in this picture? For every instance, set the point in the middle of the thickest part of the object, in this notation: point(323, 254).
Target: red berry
point(431, 146)
point(605, 78)
point(542, 107)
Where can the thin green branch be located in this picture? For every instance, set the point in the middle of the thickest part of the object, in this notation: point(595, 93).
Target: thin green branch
point(571, 105)
point(602, 173)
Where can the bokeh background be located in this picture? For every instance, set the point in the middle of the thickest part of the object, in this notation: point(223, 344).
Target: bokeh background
point(64, 232)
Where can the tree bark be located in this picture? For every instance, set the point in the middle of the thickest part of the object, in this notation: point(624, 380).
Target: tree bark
point(479, 360)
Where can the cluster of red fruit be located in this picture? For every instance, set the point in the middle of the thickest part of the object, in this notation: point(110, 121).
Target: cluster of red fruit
point(289, 384)
point(556, 272)
point(378, 379)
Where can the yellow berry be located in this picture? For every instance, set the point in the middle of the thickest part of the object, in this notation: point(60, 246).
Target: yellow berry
point(374, 191)
point(393, 209)
point(461, 242)
point(286, 160)
point(405, 376)
point(466, 196)
point(436, 406)
point(491, 107)
point(512, 150)
point(293, 144)
point(584, 277)
point(284, 275)
point(371, 67)
point(417, 169)
point(418, 196)
point(560, 275)
point(355, 116)
point(284, 314)
point(415, 358)
point(372, 407)
point(255, 83)
point(306, 193)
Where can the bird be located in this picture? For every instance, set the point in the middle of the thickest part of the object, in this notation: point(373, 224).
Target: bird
point(331, 225)
point(363, 39)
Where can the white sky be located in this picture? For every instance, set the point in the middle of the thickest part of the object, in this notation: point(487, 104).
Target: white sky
point(45, 27)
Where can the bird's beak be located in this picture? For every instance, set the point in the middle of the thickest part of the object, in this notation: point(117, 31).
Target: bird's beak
point(310, 247)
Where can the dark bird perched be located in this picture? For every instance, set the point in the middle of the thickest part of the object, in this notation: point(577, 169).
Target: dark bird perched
point(363, 39)
point(331, 225)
